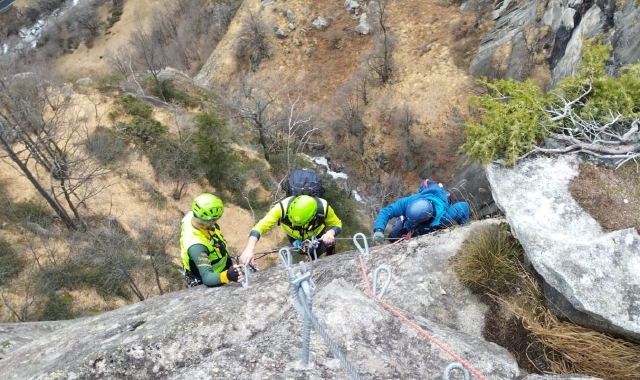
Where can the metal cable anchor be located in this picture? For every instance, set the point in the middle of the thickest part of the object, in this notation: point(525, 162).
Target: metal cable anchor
point(363, 251)
point(386, 283)
point(455, 365)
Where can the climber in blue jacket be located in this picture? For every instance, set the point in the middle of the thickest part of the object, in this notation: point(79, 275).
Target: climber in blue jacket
point(422, 213)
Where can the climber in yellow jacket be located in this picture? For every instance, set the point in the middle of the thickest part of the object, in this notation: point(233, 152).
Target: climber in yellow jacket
point(202, 248)
point(301, 218)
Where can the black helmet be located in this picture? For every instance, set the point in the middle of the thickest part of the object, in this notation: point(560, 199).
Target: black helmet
point(419, 211)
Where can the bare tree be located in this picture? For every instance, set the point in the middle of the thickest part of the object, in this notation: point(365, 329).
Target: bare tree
point(28, 294)
point(380, 61)
point(253, 44)
point(86, 16)
point(39, 134)
point(259, 107)
point(122, 63)
point(150, 51)
point(154, 238)
point(383, 191)
point(298, 131)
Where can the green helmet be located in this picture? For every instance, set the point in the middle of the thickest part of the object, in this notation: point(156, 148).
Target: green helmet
point(302, 209)
point(207, 207)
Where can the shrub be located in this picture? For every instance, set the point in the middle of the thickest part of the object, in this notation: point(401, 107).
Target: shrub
point(511, 115)
point(215, 154)
point(156, 198)
point(106, 145)
point(109, 82)
point(609, 95)
point(176, 161)
point(57, 306)
point(11, 264)
point(133, 106)
point(34, 211)
point(143, 129)
point(116, 13)
point(166, 89)
point(65, 273)
point(514, 117)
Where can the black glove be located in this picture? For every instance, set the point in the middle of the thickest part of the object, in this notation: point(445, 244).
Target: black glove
point(233, 274)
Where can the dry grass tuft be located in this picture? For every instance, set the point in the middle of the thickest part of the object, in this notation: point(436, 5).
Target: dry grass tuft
point(569, 348)
point(490, 261)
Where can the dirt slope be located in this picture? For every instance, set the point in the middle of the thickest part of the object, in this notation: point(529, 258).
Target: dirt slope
point(308, 65)
point(425, 78)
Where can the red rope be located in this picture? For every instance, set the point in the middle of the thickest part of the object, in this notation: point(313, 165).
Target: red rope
point(407, 321)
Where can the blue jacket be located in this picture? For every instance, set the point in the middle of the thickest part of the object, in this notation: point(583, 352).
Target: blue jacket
point(437, 195)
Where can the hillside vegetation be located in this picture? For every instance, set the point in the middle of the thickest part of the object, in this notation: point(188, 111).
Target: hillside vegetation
point(149, 104)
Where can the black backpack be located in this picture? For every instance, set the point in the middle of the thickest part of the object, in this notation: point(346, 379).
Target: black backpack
point(304, 181)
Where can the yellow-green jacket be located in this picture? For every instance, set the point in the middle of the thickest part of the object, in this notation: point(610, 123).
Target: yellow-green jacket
point(207, 249)
point(314, 228)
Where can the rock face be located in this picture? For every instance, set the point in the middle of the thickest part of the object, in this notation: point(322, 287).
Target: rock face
point(470, 184)
point(589, 275)
point(556, 27)
point(254, 332)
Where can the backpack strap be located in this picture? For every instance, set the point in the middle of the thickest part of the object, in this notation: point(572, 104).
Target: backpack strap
point(319, 219)
point(283, 219)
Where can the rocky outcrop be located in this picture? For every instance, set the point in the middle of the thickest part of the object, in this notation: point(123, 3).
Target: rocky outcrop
point(555, 28)
point(589, 276)
point(470, 184)
point(253, 332)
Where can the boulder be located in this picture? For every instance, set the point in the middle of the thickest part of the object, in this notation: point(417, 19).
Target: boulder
point(590, 276)
point(470, 184)
point(254, 332)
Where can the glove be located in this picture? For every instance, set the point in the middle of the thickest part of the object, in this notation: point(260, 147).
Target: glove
point(378, 236)
point(297, 244)
point(233, 274)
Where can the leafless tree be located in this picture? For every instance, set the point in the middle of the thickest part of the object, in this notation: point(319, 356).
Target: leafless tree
point(380, 60)
point(122, 63)
point(86, 16)
point(253, 43)
point(361, 81)
point(298, 130)
point(150, 52)
point(39, 134)
point(383, 191)
point(154, 238)
point(411, 145)
point(28, 294)
point(351, 112)
point(259, 107)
